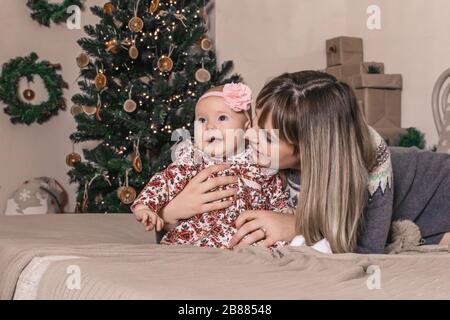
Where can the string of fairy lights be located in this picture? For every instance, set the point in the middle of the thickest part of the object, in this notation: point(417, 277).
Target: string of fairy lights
point(144, 44)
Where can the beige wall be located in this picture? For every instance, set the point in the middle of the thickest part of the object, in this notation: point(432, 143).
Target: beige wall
point(266, 38)
point(40, 150)
point(263, 37)
point(37, 150)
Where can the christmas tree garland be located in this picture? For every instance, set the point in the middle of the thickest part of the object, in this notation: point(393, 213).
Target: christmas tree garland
point(21, 111)
point(44, 12)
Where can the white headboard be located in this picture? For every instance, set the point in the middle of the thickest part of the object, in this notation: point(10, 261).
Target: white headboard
point(440, 99)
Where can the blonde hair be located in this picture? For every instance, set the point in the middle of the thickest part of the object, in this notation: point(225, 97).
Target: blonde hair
point(320, 117)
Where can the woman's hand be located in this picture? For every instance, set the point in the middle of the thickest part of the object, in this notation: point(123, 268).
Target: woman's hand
point(197, 198)
point(250, 225)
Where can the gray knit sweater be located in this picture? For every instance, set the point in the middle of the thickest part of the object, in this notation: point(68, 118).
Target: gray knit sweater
point(420, 192)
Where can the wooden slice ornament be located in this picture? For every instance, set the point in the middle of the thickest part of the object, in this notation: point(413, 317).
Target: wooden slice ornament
point(89, 110)
point(83, 60)
point(165, 63)
point(202, 75)
point(205, 43)
point(108, 8)
point(133, 52)
point(100, 81)
point(29, 94)
point(76, 109)
point(136, 24)
point(137, 163)
point(153, 6)
point(130, 45)
point(73, 158)
point(136, 158)
point(126, 194)
point(130, 105)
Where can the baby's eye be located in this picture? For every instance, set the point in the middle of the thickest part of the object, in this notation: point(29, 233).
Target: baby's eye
point(223, 117)
point(201, 120)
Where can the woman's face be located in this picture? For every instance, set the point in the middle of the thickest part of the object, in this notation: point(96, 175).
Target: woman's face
point(268, 149)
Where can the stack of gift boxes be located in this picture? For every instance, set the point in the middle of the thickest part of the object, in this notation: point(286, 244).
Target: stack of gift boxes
point(378, 94)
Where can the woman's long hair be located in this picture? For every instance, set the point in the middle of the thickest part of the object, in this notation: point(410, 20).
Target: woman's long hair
point(321, 118)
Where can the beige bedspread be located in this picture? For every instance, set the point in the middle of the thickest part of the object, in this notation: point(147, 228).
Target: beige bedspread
point(135, 270)
point(23, 238)
point(300, 273)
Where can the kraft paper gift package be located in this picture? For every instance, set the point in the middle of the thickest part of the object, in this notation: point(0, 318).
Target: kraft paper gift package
point(379, 94)
point(380, 97)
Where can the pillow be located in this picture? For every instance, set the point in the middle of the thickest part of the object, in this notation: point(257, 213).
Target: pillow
point(37, 196)
point(444, 140)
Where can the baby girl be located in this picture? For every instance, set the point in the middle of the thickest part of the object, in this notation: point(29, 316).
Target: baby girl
point(219, 112)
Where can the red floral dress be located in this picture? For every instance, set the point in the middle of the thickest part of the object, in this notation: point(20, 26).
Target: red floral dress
point(257, 189)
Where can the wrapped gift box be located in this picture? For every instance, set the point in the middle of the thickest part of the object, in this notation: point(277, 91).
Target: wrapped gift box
point(344, 50)
point(346, 71)
point(380, 97)
point(378, 81)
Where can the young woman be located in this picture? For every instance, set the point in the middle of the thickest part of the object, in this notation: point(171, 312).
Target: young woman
point(343, 167)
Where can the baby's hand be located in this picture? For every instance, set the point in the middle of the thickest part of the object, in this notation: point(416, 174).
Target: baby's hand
point(149, 219)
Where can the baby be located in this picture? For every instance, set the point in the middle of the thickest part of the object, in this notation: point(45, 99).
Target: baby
point(219, 112)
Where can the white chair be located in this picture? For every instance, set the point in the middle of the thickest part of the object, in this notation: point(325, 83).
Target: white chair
point(440, 100)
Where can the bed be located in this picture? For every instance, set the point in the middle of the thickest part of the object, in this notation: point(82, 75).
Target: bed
point(112, 257)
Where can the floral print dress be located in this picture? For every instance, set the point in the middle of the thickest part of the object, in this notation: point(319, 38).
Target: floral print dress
point(257, 189)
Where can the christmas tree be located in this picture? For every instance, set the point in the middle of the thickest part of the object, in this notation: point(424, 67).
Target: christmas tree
point(143, 67)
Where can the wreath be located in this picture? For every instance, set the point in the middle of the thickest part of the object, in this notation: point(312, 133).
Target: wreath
point(20, 110)
point(44, 12)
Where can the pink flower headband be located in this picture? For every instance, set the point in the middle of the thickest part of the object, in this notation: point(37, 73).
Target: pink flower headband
point(237, 96)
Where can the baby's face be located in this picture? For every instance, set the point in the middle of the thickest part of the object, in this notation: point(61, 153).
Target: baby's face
point(219, 131)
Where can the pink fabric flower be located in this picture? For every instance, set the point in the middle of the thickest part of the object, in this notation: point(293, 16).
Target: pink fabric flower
point(238, 96)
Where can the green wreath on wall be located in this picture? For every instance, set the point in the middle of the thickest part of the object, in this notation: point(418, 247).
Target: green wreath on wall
point(28, 67)
point(44, 12)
